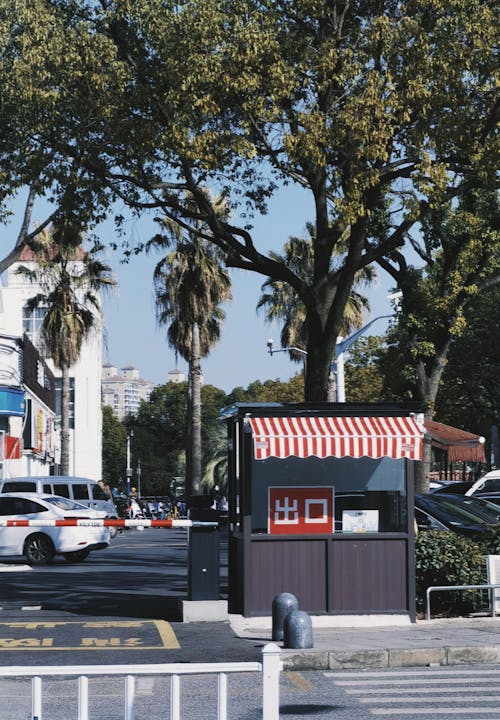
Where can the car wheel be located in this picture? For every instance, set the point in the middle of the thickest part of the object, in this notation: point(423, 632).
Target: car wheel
point(38, 549)
point(76, 556)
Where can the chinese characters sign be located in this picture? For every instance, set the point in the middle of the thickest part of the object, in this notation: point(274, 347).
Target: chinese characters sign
point(300, 510)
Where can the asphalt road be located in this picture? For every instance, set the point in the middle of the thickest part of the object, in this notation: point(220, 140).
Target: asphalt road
point(119, 607)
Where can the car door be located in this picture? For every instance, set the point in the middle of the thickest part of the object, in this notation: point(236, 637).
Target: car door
point(15, 508)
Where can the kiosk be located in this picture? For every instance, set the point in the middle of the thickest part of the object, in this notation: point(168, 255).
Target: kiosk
point(321, 506)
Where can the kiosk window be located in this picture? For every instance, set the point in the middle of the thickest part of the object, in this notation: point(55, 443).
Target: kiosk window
point(369, 495)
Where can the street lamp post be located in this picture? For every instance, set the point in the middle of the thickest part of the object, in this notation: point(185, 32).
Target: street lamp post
point(337, 366)
point(129, 468)
point(139, 479)
point(271, 351)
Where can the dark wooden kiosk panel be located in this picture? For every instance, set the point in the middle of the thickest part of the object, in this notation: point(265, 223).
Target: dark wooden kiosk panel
point(321, 506)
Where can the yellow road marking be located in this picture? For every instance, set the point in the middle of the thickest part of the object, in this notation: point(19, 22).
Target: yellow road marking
point(91, 635)
point(299, 681)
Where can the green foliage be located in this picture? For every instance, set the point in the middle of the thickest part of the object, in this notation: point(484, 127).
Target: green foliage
point(363, 378)
point(470, 393)
point(114, 449)
point(459, 250)
point(446, 558)
point(364, 105)
point(270, 391)
point(490, 542)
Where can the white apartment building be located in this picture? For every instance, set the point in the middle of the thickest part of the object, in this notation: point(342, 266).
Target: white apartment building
point(85, 380)
point(123, 389)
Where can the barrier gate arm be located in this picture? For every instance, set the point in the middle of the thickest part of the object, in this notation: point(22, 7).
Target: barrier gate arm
point(107, 522)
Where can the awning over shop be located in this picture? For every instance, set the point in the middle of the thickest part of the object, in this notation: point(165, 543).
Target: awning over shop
point(460, 445)
point(375, 437)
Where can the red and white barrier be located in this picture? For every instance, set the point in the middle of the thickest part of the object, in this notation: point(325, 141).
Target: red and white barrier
point(106, 522)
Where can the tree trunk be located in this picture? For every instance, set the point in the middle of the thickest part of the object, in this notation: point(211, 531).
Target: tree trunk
point(193, 449)
point(65, 421)
point(429, 378)
point(320, 349)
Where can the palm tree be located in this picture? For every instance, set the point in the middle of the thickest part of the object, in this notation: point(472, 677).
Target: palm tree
point(283, 304)
point(70, 280)
point(190, 286)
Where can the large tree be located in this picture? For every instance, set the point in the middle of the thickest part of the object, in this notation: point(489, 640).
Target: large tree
point(282, 303)
point(33, 45)
point(68, 281)
point(361, 103)
point(190, 286)
point(459, 257)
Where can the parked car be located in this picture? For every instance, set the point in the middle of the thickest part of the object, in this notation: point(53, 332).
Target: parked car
point(40, 544)
point(82, 490)
point(487, 487)
point(458, 513)
point(458, 487)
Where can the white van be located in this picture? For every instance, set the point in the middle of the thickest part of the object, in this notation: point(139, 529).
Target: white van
point(83, 490)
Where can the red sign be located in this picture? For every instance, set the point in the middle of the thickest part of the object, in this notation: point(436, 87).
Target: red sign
point(301, 510)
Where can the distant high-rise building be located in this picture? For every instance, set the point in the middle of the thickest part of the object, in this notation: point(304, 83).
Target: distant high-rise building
point(176, 376)
point(123, 389)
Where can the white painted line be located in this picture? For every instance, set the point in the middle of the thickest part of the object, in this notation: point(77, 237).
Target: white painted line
point(406, 691)
point(463, 699)
point(14, 568)
point(432, 712)
point(417, 673)
point(392, 681)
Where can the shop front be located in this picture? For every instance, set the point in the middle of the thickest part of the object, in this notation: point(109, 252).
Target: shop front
point(321, 506)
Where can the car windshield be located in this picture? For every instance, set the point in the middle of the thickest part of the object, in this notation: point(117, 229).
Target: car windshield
point(482, 507)
point(64, 503)
point(458, 510)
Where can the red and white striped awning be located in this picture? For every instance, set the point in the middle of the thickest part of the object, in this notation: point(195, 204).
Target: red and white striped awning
point(373, 437)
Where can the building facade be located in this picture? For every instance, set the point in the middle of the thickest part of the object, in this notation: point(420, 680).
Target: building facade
point(123, 389)
point(18, 322)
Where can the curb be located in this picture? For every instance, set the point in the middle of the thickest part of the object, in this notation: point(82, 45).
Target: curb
point(389, 658)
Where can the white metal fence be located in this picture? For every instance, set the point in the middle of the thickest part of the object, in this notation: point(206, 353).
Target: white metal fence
point(270, 667)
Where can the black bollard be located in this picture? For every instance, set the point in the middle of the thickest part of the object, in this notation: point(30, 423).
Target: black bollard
point(297, 630)
point(282, 605)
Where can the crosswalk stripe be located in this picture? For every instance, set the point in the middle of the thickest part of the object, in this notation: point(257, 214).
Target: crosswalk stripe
point(436, 711)
point(415, 673)
point(426, 693)
point(393, 681)
point(406, 691)
point(434, 698)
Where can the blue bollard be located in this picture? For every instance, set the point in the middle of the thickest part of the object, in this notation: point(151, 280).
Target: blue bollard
point(297, 630)
point(282, 605)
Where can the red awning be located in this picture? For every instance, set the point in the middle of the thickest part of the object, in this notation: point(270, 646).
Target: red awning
point(460, 445)
point(374, 437)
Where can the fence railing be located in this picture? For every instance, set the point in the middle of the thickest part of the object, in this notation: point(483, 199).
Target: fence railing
point(441, 588)
point(270, 667)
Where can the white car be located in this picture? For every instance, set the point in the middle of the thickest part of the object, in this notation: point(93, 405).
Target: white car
point(487, 487)
point(40, 544)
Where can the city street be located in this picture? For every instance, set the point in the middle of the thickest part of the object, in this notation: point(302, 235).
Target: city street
point(119, 607)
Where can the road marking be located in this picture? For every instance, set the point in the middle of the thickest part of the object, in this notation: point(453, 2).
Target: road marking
point(14, 568)
point(437, 711)
point(441, 671)
point(89, 635)
point(425, 693)
point(299, 681)
point(436, 698)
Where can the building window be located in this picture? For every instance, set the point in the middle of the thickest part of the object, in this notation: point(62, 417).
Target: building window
point(71, 401)
point(32, 323)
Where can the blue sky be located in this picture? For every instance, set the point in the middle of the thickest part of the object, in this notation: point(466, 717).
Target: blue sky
point(132, 334)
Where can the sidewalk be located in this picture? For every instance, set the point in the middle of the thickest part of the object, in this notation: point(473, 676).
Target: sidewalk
point(455, 641)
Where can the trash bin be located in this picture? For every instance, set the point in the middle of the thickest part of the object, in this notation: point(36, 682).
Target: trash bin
point(203, 556)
